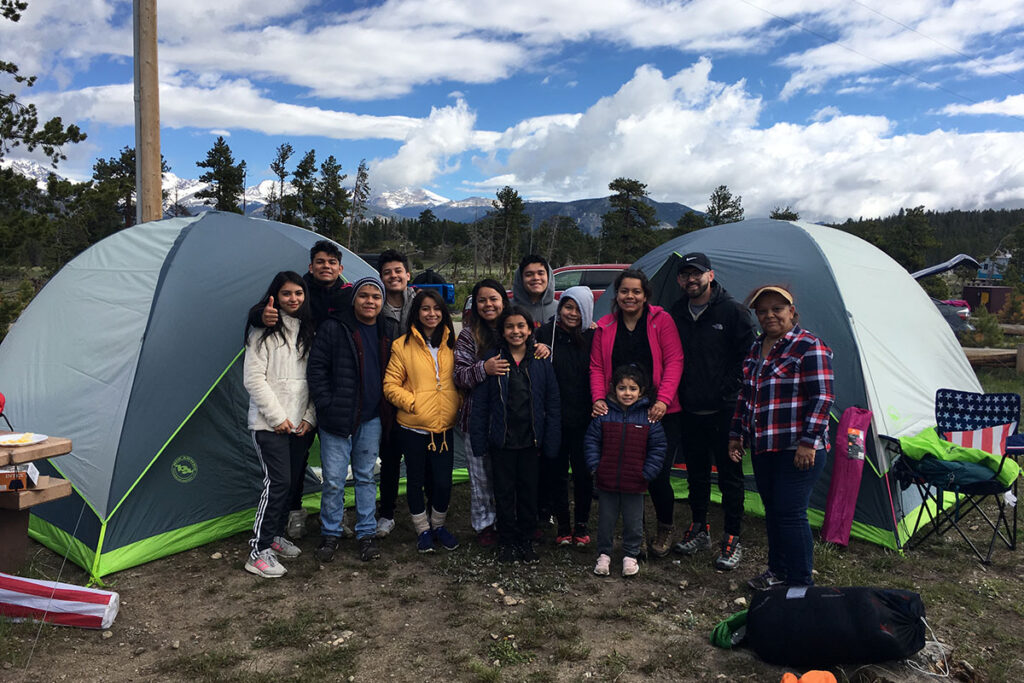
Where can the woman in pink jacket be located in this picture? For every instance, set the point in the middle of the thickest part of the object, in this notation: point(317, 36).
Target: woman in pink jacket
point(637, 333)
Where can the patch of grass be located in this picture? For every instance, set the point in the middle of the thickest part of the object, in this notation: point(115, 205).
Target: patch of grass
point(219, 624)
point(615, 664)
point(206, 666)
point(295, 631)
point(574, 651)
point(326, 663)
point(482, 672)
point(507, 653)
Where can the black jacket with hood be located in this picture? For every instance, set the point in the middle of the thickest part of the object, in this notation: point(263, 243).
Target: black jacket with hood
point(714, 345)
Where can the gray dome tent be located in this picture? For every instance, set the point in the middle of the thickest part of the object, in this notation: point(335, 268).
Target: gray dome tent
point(133, 351)
point(892, 348)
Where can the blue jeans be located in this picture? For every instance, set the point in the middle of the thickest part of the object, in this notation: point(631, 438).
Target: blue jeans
point(786, 493)
point(336, 453)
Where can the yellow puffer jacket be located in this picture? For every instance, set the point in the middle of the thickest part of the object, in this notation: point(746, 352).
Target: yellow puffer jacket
point(423, 392)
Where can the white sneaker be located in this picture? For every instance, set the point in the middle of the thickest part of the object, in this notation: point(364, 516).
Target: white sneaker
point(384, 526)
point(265, 564)
point(630, 567)
point(296, 527)
point(603, 566)
point(284, 548)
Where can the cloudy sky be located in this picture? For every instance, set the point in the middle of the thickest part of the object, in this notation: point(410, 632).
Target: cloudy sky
point(838, 108)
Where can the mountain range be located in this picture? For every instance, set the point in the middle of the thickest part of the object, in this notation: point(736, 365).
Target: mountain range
point(402, 203)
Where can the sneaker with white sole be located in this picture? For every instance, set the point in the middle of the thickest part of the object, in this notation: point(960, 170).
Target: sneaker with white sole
point(765, 581)
point(265, 564)
point(630, 567)
point(284, 548)
point(603, 566)
point(384, 527)
point(731, 553)
point(696, 538)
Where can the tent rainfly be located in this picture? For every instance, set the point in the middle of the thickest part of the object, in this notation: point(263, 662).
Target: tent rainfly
point(133, 350)
point(892, 348)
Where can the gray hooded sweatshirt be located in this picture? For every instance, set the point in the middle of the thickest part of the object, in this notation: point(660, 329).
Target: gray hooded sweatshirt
point(543, 310)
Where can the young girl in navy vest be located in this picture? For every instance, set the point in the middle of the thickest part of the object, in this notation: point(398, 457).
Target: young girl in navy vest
point(625, 451)
point(516, 420)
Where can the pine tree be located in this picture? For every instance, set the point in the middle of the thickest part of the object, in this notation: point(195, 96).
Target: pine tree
point(723, 207)
point(300, 208)
point(628, 229)
point(689, 222)
point(509, 214)
point(784, 214)
point(117, 176)
point(331, 199)
point(360, 194)
point(280, 168)
point(226, 178)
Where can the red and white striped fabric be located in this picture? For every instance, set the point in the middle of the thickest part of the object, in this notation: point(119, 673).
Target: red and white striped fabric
point(990, 439)
point(57, 603)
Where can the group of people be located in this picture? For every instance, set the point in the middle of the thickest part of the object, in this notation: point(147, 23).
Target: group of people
point(536, 389)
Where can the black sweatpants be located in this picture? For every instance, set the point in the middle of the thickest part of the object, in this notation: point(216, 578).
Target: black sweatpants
point(554, 481)
point(705, 441)
point(515, 474)
point(283, 459)
point(390, 471)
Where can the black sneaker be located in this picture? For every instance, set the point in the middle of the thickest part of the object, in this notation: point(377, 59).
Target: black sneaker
point(766, 580)
point(325, 551)
point(506, 554)
point(368, 549)
point(527, 555)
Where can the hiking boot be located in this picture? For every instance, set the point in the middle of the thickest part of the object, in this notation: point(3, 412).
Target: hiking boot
point(445, 538)
point(696, 538)
point(527, 555)
point(385, 526)
point(265, 564)
point(662, 541)
point(487, 537)
point(580, 536)
point(506, 554)
point(368, 549)
point(731, 553)
point(630, 567)
point(296, 527)
point(765, 580)
point(284, 548)
point(325, 551)
point(603, 566)
point(425, 542)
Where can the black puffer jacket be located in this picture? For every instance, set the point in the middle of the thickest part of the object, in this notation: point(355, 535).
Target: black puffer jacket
point(714, 345)
point(571, 361)
point(335, 368)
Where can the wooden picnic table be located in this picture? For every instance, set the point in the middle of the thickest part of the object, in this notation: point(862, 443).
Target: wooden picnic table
point(14, 505)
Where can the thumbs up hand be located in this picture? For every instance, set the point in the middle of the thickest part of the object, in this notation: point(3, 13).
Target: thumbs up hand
point(269, 316)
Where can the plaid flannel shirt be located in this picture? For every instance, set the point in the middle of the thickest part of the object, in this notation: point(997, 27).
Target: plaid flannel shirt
point(788, 401)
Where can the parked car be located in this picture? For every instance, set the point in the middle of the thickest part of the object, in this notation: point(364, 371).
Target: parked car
point(597, 276)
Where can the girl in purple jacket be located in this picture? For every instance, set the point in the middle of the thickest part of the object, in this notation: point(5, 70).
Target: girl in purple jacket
point(625, 451)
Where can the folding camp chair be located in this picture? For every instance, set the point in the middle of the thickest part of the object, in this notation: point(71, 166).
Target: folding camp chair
point(971, 484)
point(3, 402)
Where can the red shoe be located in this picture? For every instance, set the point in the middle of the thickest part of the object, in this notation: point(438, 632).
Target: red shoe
point(564, 540)
point(580, 537)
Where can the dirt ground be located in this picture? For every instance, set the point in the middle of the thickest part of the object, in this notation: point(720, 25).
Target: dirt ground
point(197, 616)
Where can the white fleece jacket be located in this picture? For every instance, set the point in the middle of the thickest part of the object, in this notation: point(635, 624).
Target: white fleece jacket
point(275, 378)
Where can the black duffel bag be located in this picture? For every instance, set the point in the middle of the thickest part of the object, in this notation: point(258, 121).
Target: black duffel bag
point(820, 626)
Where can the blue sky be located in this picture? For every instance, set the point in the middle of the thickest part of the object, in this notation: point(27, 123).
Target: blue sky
point(838, 109)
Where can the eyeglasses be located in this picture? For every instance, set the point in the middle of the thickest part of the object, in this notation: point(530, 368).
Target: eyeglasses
point(691, 275)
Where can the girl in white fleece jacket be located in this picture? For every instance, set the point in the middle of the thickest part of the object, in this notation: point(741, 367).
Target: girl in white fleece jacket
point(281, 416)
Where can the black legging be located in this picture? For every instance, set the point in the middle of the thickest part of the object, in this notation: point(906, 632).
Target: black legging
point(662, 495)
point(554, 481)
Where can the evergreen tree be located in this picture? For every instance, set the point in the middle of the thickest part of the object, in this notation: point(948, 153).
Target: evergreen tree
point(279, 166)
point(19, 123)
point(908, 239)
point(689, 222)
point(331, 200)
point(116, 176)
point(226, 178)
point(360, 195)
point(628, 229)
point(723, 207)
point(300, 207)
point(509, 214)
point(784, 214)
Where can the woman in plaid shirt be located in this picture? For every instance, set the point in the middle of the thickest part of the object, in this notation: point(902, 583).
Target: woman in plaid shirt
point(782, 416)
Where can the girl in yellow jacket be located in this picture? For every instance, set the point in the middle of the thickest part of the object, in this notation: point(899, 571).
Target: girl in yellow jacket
point(420, 383)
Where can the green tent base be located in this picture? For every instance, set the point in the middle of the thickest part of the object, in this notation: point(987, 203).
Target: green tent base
point(100, 563)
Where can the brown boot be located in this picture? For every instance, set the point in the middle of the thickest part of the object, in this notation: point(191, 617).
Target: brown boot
point(662, 540)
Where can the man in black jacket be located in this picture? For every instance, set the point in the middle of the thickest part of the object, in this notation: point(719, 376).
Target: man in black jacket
point(327, 291)
point(716, 332)
point(345, 372)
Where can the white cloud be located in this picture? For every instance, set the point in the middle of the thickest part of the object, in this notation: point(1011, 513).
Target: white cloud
point(221, 132)
point(1011, 105)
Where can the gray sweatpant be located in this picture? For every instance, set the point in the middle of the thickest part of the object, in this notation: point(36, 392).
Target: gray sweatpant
point(609, 507)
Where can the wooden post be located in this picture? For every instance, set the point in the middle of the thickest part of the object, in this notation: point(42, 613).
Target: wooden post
point(148, 178)
point(1020, 359)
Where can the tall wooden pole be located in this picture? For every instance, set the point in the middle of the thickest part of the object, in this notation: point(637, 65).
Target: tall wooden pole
point(148, 180)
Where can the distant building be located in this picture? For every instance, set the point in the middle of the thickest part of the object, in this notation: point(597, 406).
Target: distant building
point(994, 266)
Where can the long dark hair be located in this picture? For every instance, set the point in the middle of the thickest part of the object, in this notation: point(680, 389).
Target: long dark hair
point(305, 316)
point(644, 283)
point(485, 336)
point(414, 319)
point(508, 313)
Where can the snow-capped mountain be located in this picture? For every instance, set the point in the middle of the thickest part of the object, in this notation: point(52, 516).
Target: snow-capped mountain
point(407, 196)
point(30, 169)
